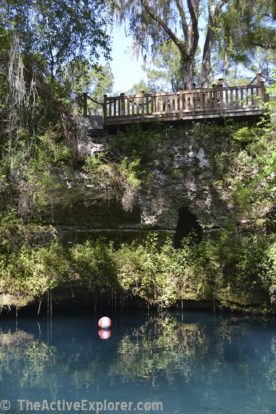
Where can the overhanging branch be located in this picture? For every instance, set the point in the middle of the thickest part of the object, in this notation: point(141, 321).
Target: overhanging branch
point(193, 9)
point(179, 43)
point(184, 24)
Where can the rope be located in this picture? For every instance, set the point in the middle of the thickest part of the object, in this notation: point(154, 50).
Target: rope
point(250, 83)
point(94, 100)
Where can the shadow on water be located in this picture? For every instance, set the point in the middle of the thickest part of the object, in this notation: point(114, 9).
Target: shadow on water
point(194, 363)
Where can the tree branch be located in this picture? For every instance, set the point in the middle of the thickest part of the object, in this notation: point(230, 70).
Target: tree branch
point(211, 22)
point(194, 19)
point(214, 12)
point(183, 17)
point(265, 46)
point(179, 43)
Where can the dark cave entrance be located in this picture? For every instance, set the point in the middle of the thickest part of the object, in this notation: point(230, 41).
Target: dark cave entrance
point(187, 225)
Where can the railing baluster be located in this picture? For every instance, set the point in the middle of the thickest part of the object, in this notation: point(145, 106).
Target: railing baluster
point(253, 96)
point(200, 101)
point(181, 103)
point(122, 104)
point(138, 106)
point(231, 98)
point(195, 100)
point(184, 104)
point(214, 100)
point(221, 101)
point(193, 103)
point(128, 107)
point(142, 102)
point(226, 98)
point(242, 101)
point(207, 100)
point(237, 98)
point(114, 107)
point(147, 103)
point(153, 103)
point(105, 106)
point(245, 91)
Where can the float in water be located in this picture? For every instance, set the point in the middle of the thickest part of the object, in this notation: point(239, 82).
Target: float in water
point(104, 323)
point(105, 327)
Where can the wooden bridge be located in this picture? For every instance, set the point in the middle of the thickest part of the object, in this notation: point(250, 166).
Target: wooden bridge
point(218, 101)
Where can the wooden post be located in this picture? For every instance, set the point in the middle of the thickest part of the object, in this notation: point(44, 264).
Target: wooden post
point(221, 102)
point(84, 104)
point(180, 104)
point(259, 78)
point(201, 101)
point(128, 106)
point(260, 84)
point(226, 92)
point(220, 94)
point(153, 103)
point(242, 100)
point(115, 106)
point(122, 104)
point(105, 107)
point(143, 101)
point(147, 103)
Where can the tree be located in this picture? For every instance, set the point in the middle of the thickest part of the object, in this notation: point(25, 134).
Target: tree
point(137, 88)
point(232, 30)
point(153, 22)
point(163, 70)
point(55, 32)
point(46, 37)
point(96, 82)
point(247, 34)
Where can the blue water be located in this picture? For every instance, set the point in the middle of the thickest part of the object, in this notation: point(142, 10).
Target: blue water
point(193, 363)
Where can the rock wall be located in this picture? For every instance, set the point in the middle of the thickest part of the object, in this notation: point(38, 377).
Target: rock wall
point(183, 175)
point(183, 185)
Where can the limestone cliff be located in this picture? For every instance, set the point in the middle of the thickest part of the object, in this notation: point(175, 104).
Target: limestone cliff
point(185, 186)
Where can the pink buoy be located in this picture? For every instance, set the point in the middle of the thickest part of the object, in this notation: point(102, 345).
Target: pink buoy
point(104, 333)
point(104, 323)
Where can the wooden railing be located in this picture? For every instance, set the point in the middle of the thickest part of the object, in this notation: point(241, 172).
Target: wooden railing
point(188, 104)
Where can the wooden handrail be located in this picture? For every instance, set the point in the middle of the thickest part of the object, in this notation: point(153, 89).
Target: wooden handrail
point(217, 99)
point(85, 97)
point(184, 92)
point(205, 102)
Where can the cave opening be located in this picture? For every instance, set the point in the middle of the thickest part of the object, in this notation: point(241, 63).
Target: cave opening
point(187, 225)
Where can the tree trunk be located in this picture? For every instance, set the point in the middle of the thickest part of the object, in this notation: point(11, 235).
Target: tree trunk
point(206, 70)
point(187, 71)
point(206, 67)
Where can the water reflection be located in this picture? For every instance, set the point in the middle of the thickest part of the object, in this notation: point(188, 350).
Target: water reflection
point(160, 347)
point(104, 333)
point(196, 364)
